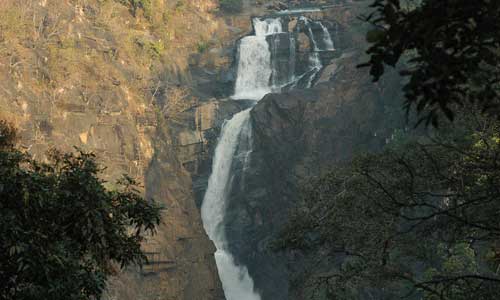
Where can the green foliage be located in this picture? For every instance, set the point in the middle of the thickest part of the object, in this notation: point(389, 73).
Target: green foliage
point(7, 135)
point(231, 5)
point(202, 46)
point(155, 49)
point(451, 48)
point(420, 220)
point(180, 5)
point(61, 232)
point(134, 5)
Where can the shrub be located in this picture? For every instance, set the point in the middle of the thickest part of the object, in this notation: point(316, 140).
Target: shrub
point(202, 46)
point(134, 5)
point(62, 233)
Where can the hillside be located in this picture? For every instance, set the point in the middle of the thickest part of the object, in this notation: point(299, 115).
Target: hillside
point(103, 77)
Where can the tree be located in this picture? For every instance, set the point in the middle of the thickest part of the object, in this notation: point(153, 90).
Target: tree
point(420, 220)
point(62, 233)
point(451, 50)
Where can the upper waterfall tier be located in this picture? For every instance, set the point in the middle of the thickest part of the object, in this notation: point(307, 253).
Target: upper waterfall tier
point(277, 58)
point(254, 61)
point(254, 69)
point(267, 26)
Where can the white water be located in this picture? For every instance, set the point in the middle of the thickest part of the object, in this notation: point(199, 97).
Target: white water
point(316, 66)
point(267, 26)
point(311, 34)
point(291, 66)
point(327, 38)
point(236, 282)
point(254, 63)
point(253, 82)
point(255, 59)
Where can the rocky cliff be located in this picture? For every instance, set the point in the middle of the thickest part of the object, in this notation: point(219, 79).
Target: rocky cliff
point(300, 134)
point(112, 78)
point(296, 135)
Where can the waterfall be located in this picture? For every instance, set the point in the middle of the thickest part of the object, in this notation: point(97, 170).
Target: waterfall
point(254, 63)
point(236, 282)
point(253, 82)
point(255, 59)
point(316, 66)
point(255, 73)
point(267, 26)
point(311, 34)
point(291, 62)
point(327, 38)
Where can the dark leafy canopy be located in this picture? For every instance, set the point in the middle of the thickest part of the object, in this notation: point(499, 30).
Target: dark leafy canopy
point(421, 220)
point(451, 48)
point(61, 231)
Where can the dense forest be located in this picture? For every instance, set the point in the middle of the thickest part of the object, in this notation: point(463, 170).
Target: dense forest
point(420, 220)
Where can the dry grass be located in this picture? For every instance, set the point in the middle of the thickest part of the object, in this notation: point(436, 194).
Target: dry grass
point(76, 62)
point(68, 36)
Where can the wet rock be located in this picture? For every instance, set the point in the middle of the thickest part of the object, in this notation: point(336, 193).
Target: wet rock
point(298, 134)
point(304, 42)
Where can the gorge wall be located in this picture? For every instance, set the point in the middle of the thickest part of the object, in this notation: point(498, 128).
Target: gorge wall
point(106, 78)
point(299, 131)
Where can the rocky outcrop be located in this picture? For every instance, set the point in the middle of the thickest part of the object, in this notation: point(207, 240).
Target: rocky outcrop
point(299, 134)
point(105, 78)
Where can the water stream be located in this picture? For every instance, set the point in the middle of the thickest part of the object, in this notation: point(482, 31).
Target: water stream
point(253, 81)
point(236, 282)
point(254, 63)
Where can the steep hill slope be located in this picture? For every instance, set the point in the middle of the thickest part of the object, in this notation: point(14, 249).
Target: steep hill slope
point(104, 76)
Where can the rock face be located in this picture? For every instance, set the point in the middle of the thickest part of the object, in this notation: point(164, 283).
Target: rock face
point(299, 134)
point(94, 74)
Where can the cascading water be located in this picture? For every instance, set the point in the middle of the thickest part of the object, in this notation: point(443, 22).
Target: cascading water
point(310, 32)
point(267, 26)
point(236, 282)
point(316, 66)
point(253, 81)
point(326, 44)
point(291, 62)
point(254, 73)
point(327, 38)
point(254, 63)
